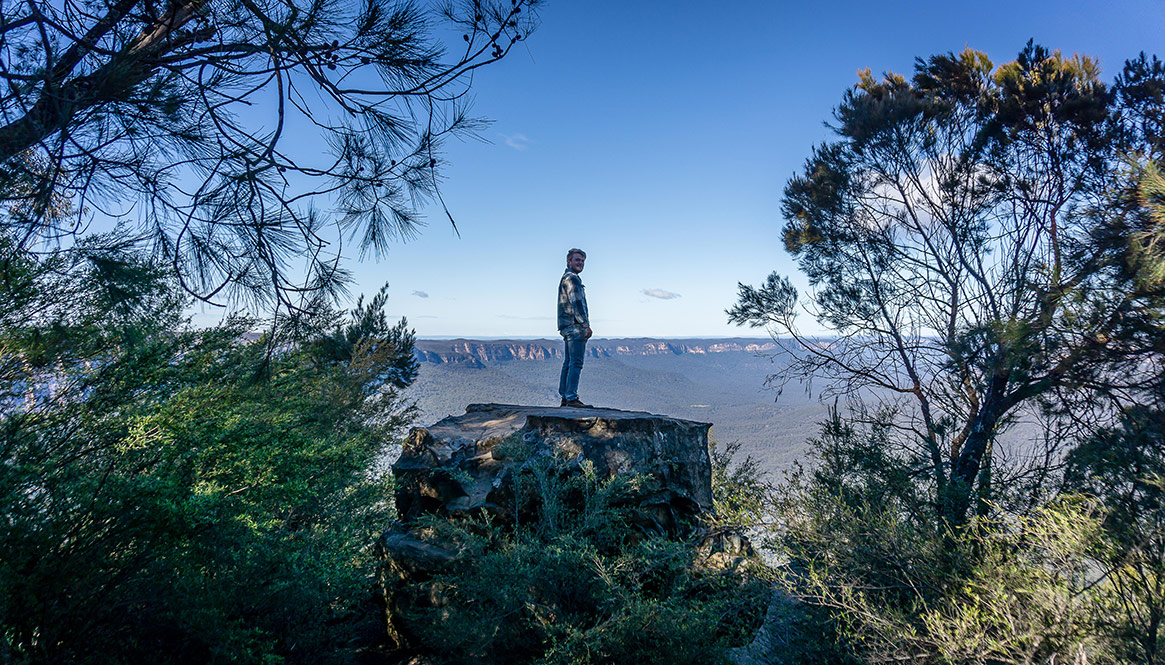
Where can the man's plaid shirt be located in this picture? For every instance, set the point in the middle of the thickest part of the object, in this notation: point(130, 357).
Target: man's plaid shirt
point(573, 319)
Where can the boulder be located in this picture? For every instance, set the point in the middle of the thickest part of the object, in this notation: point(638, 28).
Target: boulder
point(469, 463)
point(472, 465)
point(408, 562)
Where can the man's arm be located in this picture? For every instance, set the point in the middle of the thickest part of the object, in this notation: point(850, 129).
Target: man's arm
point(578, 303)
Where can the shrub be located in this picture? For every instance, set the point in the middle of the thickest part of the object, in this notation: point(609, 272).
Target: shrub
point(172, 495)
point(889, 585)
point(577, 582)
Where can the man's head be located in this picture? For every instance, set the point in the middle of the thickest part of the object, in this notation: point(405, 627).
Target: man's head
point(575, 260)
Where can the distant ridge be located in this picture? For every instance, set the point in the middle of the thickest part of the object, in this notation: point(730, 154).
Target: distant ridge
point(481, 353)
point(711, 380)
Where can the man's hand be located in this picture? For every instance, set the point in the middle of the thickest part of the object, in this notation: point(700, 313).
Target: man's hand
point(589, 332)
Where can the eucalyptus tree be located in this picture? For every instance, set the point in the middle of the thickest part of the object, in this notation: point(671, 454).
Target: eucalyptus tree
point(967, 243)
point(245, 141)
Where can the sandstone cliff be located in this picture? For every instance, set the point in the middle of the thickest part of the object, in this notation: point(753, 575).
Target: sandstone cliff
point(481, 353)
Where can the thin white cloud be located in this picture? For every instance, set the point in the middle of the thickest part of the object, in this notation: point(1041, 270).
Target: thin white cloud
point(517, 141)
point(420, 294)
point(661, 294)
point(525, 318)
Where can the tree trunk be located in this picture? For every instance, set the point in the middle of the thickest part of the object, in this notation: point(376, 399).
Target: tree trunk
point(965, 471)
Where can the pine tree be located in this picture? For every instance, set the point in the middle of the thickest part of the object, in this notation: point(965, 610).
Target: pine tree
point(243, 141)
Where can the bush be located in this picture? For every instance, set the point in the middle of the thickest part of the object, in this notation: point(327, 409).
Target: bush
point(172, 495)
point(577, 582)
point(889, 585)
point(741, 490)
point(1124, 467)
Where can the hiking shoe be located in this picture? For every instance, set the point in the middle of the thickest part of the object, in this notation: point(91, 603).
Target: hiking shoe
point(577, 404)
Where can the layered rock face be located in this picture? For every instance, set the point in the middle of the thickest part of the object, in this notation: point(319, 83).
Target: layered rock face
point(472, 464)
point(469, 462)
point(482, 353)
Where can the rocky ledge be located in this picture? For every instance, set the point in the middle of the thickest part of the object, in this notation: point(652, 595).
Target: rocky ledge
point(477, 468)
point(468, 463)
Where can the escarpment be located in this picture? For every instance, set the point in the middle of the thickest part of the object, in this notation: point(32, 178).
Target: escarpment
point(483, 353)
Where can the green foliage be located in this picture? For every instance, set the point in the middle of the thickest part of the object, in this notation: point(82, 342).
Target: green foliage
point(578, 582)
point(1141, 91)
point(1124, 467)
point(985, 244)
point(1148, 244)
point(164, 500)
point(1032, 594)
point(368, 339)
point(1077, 579)
point(170, 117)
point(740, 489)
point(966, 236)
point(893, 587)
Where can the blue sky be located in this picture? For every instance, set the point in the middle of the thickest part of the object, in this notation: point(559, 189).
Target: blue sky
point(658, 135)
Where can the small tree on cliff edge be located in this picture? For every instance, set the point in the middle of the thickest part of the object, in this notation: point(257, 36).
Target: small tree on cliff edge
point(966, 240)
point(149, 111)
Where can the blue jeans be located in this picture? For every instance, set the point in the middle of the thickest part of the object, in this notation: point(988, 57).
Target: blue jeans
point(571, 367)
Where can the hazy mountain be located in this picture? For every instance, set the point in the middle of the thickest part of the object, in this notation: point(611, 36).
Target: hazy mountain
point(720, 381)
point(482, 352)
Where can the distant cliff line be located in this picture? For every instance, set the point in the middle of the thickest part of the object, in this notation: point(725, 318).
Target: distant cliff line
point(479, 353)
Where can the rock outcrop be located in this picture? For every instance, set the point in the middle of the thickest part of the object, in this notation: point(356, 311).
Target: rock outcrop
point(469, 463)
point(471, 466)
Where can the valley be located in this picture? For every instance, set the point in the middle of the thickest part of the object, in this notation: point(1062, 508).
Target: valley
point(716, 381)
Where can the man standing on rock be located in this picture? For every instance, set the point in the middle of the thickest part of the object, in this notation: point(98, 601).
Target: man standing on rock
point(574, 324)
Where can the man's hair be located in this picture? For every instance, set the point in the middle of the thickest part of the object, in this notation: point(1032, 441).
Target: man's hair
point(573, 251)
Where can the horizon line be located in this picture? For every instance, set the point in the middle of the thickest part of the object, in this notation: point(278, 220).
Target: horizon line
point(526, 338)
